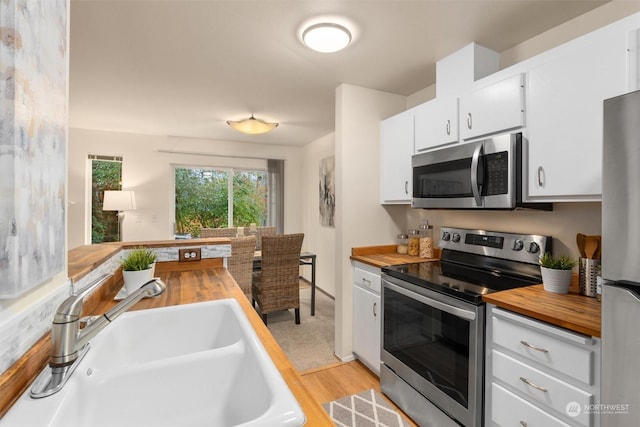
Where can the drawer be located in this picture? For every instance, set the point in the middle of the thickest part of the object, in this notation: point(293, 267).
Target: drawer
point(366, 279)
point(509, 410)
point(540, 387)
point(556, 352)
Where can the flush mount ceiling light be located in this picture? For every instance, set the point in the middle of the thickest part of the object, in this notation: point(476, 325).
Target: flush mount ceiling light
point(326, 37)
point(252, 126)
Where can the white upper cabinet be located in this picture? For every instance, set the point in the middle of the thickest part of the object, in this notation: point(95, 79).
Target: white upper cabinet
point(396, 149)
point(457, 73)
point(436, 123)
point(565, 98)
point(492, 109)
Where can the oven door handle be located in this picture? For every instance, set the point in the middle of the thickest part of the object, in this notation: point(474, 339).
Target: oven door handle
point(475, 187)
point(456, 311)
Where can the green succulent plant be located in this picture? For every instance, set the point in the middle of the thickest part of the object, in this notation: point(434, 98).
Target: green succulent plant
point(138, 259)
point(562, 262)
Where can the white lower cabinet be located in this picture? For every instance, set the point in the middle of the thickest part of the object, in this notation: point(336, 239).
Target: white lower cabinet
point(511, 410)
point(538, 374)
point(366, 315)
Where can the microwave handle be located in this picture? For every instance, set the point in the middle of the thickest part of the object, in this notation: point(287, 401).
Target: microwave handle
point(475, 188)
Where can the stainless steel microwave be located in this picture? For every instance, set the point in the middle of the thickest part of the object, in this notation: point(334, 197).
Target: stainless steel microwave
point(485, 174)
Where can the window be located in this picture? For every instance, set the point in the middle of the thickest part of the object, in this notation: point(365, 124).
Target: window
point(214, 198)
point(106, 174)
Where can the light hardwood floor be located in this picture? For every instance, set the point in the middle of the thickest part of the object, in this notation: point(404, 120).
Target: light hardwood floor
point(342, 379)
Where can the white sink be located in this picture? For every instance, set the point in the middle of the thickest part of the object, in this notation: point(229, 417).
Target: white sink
point(190, 365)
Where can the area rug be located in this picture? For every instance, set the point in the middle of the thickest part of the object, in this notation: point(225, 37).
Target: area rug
point(366, 409)
point(310, 344)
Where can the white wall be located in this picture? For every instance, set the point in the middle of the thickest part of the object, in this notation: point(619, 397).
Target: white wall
point(322, 238)
point(360, 219)
point(149, 173)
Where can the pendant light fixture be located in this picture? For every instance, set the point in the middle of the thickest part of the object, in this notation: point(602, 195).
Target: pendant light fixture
point(326, 37)
point(252, 126)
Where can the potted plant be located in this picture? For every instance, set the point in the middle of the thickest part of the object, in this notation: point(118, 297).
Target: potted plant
point(556, 272)
point(137, 268)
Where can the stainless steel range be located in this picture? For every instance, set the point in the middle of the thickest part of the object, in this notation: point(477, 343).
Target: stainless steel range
point(433, 321)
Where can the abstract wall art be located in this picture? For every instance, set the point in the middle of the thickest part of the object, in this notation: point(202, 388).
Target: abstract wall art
point(327, 191)
point(34, 62)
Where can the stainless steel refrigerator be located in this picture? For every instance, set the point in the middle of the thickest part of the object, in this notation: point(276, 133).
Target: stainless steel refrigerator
point(620, 400)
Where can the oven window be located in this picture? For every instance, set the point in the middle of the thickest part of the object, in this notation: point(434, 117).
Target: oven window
point(431, 342)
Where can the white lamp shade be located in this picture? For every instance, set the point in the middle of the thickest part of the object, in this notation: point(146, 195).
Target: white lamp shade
point(119, 201)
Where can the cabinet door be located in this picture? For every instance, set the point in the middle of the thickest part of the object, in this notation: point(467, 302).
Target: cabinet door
point(366, 327)
point(565, 117)
point(396, 149)
point(436, 123)
point(496, 108)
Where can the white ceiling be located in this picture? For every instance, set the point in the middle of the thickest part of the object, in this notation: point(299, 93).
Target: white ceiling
point(182, 68)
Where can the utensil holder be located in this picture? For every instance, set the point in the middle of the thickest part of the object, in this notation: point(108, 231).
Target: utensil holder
point(588, 276)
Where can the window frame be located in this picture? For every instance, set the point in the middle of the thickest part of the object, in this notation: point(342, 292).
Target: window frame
point(88, 205)
point(230, 170)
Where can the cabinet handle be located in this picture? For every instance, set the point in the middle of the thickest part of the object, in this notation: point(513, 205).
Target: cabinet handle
point(537, 387)
point(540, 176)
point(375, 314)
point(406, 187)
point(469, 121)
point(523, 423)
point(366, 282)
point(448, 127)
point(533, 347)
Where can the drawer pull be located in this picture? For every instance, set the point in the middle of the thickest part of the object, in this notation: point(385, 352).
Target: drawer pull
point(366, 282)
point(523, 424)
point(533, 347)
point(537, 387)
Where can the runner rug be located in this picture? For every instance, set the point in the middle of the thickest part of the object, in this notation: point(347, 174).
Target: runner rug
point(366, 409)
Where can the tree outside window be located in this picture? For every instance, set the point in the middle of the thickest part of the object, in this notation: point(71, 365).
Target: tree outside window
point(204, 198)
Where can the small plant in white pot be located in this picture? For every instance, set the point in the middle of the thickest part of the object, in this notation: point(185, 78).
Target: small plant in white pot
point(137, 268)
point(556, 272)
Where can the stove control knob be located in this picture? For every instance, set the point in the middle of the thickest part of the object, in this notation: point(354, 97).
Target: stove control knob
point(446, 236)
point(455, 238)
point(533, 248)
point(518, 245)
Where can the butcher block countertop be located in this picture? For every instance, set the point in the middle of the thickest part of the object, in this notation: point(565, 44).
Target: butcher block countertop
point(382, 256)
point(572, 311)
point(183, 287)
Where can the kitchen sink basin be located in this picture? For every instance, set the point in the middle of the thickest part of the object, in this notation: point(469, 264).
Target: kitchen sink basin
point(196, 364)
point(148, 335)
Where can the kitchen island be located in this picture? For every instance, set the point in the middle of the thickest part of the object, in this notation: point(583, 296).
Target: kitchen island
point(183, 287)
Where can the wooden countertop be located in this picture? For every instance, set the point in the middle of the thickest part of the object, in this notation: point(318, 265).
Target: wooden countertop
point(382, 256)
point(84, 259)
point(183, 287)
point(572, 311)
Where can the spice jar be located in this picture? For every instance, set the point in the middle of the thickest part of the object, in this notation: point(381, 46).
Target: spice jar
point(426, 241)
point(403, 244)
point(414, 243)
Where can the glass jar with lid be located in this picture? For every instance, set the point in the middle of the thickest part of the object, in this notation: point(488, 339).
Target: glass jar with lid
point(414, 243)
point(426, 240)
point(403, 244)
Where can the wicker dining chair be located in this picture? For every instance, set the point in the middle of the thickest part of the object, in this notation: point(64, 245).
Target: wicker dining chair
point(263, 231)
point(218, 232)
point(277, 285)
point(240, 264)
